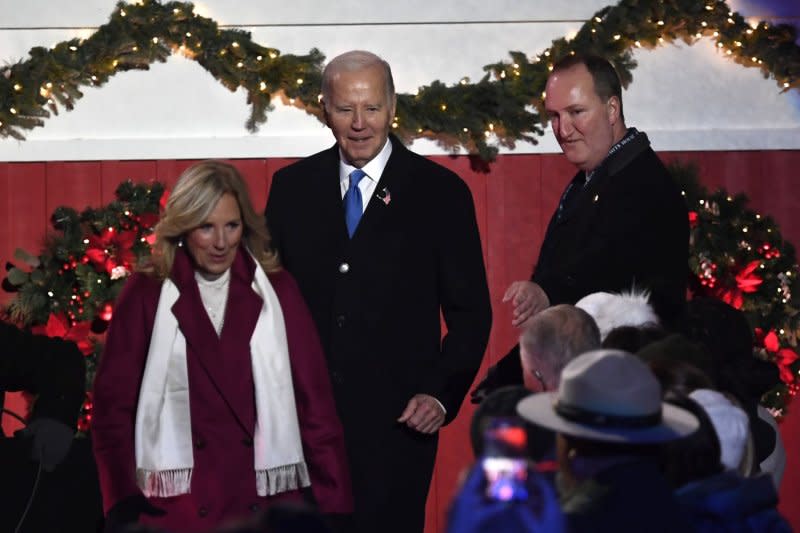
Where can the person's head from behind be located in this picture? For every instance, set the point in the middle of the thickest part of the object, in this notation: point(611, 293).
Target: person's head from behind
point(679, 377)
point(633, 338)
point(358, 100)
point(552, 339)
point(583, 101)
point(209, 212)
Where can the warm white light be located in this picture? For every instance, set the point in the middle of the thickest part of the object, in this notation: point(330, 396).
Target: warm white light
point(235, 44)
point(299, 81)
point(155, 40)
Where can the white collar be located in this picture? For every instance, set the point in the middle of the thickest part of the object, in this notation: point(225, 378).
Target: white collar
point(374, 169)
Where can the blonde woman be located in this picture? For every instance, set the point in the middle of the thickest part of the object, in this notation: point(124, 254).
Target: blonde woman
point(212, 398)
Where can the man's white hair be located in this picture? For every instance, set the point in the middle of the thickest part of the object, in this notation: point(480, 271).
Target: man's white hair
point(611, 310)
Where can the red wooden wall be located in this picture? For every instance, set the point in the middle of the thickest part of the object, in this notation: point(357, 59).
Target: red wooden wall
point(513, 201)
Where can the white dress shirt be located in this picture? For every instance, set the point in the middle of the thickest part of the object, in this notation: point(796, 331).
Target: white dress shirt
point(373, 169)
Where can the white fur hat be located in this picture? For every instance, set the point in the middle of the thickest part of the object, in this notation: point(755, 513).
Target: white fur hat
point(730, 422)
point(614, 310)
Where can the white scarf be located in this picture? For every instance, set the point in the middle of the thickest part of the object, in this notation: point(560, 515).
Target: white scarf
point(163, 436)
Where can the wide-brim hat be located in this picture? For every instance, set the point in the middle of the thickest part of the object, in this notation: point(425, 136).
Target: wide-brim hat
point(610, 396)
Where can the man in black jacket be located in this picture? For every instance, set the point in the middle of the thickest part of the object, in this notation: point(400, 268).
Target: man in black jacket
point(621, 222)
point(381, 241)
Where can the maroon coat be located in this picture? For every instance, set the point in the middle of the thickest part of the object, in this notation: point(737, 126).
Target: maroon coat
point(221, 397)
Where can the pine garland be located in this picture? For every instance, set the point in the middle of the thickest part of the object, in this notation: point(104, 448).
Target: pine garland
point(502, 108)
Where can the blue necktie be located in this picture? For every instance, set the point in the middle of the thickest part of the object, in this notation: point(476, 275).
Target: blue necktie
point(353, 207)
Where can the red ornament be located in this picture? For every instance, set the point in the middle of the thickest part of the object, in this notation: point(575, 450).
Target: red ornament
point(693, 219)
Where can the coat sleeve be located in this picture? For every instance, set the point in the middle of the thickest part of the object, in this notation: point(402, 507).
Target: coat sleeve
point(320, 429)
point(52, 368)
point(464, 300)
point(116, 392)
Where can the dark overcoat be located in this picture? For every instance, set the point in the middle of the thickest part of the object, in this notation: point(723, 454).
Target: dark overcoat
point(378, 300)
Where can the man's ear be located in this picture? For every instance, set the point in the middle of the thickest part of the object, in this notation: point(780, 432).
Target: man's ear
point(612, 108)
point(324, 111)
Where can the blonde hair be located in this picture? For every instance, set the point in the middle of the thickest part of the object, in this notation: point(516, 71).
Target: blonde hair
point(191, 202)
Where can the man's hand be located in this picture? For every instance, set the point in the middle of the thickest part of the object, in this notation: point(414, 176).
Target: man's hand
point(423, 413)
point(528, 299)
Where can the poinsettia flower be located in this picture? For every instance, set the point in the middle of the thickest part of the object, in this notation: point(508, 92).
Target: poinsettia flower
point(771, 342)
point(111, 249)
point(732, 297)
point(58, 326)
point(746, 281)
point(784, 358)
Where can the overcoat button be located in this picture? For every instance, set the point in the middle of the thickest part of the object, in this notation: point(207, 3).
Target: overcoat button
point(247, 441)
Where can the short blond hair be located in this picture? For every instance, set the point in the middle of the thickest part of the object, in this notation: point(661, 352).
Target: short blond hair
point(192, 201)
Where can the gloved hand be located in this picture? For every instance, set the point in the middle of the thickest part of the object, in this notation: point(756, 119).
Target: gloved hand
point(51, 441)
point(473, 512)
point(128, 510)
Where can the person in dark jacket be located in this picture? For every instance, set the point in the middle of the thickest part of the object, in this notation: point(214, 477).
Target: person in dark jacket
point(621, 222)
point(44, 468)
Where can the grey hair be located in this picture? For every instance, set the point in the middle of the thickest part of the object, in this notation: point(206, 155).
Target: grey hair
point(556, 336)
point(354, 61)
